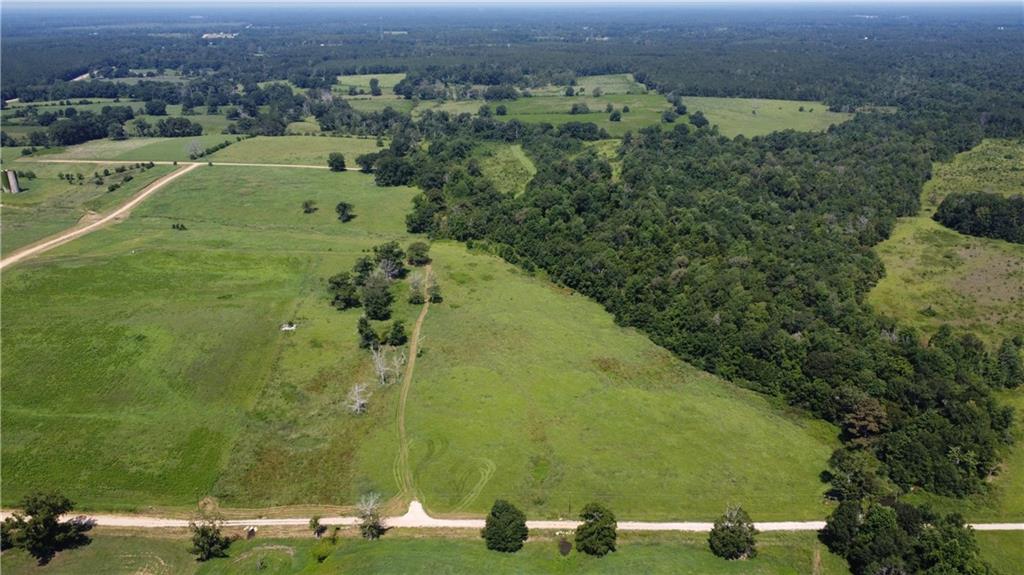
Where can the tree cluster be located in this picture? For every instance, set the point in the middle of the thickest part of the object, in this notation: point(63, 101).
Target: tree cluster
point(984, 214)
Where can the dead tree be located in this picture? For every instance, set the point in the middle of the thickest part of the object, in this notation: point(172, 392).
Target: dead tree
point(358, 398)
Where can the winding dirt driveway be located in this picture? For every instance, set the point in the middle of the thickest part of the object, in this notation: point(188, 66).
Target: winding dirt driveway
point(404, 473)
point(79, 231)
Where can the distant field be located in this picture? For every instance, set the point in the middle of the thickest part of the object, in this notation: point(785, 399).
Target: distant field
point(935, 275)
point(508, 167)
point(312, 150)
point(755, 117)
point(140, 149)
point(49, 204)
point(362, 82)
point(778, 554)
point(370, 104)
point(645, 110)
point(609, 84)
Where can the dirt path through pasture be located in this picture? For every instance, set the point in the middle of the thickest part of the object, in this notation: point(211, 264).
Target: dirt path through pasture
point(404, 473)
point(78, 231)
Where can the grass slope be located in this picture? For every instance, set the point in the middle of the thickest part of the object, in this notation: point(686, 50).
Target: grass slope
point(754, 117)
point(557, 406)
point(49, 204)
point(779, 554)
point(508, 167)
point(311, 150)
point(140, 149)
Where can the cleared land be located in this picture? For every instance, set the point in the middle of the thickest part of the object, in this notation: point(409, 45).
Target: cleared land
point(508, 167)
point(778, 554)
point(935, 275)
point(755, 117)
point(140, 149)
point(362, 82)
point(307, 150)
point(50, 204)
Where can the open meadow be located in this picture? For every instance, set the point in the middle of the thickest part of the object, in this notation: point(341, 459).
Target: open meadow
point(140, 149)
point(308, 150)
point(756, 117)
point(508, 166)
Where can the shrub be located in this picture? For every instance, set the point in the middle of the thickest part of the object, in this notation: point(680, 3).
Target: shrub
point(597, 534)
point(336, 162)
point(732, 537)
point(505, 528)
point(207, 540)
point(418, 253)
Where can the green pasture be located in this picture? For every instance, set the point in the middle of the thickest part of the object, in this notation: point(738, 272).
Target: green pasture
point(49, 204)
point(141, 149)
point(609, 84)
point(309, 150)
point(778, 554)
point(379, 104)
point(362, 82)
point(755, 117)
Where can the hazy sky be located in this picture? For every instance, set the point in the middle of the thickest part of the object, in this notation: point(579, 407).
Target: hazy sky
point(622, 3)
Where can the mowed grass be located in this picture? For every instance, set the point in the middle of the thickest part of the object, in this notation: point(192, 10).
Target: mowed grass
point(49, 204)
point(141, 149)
point(556, 406)
point(755, 117)
point(936, 276)
point(308, 150)
point(778, 554)
point(508, 166)
point(1003, 550)
point(168, 343)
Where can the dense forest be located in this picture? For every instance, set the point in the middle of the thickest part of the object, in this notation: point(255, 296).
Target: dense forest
point(749, 257)
point(984, 214)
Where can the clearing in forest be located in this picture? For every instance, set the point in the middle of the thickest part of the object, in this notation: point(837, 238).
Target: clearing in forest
point(308, 150)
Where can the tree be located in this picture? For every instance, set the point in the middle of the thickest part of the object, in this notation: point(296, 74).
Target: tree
point(569, 91)
point(344, 211)
point(344, 293)
point(142, 127)
point(40, 531)
point(375, 87)
point(389, 257)
point(357, 399)
point(370, 524)
point(416, 290)
point(615, 116)
point(367, 337)
point(366, 162)
point(434, 289)
point(579, 108)
point(505, 528)
point(418, 253)
point(336, 162)
point(501, 110)
point(396, 334)
point(841, 527)
point(207, 540)
point(1009, 372)
point(309, 207)
point(376, 296)
point(669, 116)
point(316, 527)
point(732, 537)
point(156, 108)
point(697, 119)
point(597, 534)
point(116, 132)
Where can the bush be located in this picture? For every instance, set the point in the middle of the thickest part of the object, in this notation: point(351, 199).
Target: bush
point(207, 541)
point(344, 211)
point(597, 534)
point(396, 335)
point(505, 528)
point(418, 253)
point(336, 162)
point(732, 537)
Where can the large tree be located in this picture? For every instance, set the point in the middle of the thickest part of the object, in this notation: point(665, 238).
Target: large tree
point(505, 528)
point(598, 532)
point(40, 530)
point(732, 537)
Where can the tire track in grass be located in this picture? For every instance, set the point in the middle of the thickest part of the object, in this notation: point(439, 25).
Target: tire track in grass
point(406, 487)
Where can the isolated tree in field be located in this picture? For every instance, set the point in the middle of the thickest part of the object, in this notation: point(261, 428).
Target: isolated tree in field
point(418, 253)
point(396, 334)
point(375, 87)
point(434, 289)
point(569, 91)
point(579, 108)
point(598, 532)
point(609, 108)
point(625, 109)
point(39, 531)
point(344, 211)
point(501, 110)
point(336, 162)
point(505, 528)
point(207, 540)
point(370, 524)
point(309, 207)
point(156, 108)
point(615, 116)
point(367, 337)
point(732, 537)
point(387, 363)
point(598, 92)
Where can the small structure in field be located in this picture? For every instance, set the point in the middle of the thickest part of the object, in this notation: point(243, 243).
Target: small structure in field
point(290, 326)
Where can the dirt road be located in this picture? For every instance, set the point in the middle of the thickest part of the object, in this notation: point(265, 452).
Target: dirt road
point(79, 231)
point(167, 163)
point(404, 473)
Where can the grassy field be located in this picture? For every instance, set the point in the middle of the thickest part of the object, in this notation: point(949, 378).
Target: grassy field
point(1003, 550)
point(312, 150)
point(558, 406)
point(508, 167)
point(117, 425)
point(754, 117)
point(140, 149)
point(778, 554)
point(49, 204)
point(609, 84)
point(362, 82)
point(935, 275)
point(378, 104)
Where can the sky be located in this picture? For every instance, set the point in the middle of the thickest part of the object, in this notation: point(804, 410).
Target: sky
point(516, 2)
